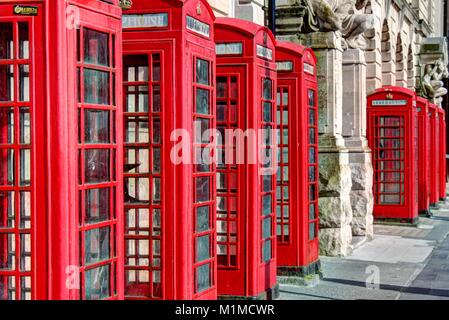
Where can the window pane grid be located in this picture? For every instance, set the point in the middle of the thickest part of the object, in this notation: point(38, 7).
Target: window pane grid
point(143, 177)
point(313, 177)
point(96, 158)
point(268, 191)
point(389, 160)
point(16, 164)
point(227, 178)
point(203, 175)
point(283, 179)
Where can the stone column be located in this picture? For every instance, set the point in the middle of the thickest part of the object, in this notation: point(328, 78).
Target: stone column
point(335, 173)
point(354, 133)
point(251, 10)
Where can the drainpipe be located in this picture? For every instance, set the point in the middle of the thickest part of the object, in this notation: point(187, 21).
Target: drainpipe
point(272, 16)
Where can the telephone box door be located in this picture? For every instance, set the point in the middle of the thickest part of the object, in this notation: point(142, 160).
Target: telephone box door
point(97, 230)
point(288, 129)
point(145, 70)
point(22, 209)
point(231, 218)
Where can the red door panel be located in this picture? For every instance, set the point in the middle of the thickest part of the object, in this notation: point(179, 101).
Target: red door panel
point(231, 220)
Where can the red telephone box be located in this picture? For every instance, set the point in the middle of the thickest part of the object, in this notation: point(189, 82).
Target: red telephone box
point(60, 176)
point(297, 178)
point(434, 159)
point(442, 154)
point(393, 138)
point(424, 118)
point(246, 199)
point(169, 104)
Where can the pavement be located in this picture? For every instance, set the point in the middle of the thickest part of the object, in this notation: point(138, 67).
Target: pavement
point(400, 263)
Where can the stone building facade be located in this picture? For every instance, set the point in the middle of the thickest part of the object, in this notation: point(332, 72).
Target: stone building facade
point(351, 65)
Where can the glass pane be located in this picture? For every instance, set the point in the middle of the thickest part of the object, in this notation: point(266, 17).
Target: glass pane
point(96, 87)
point(221, 111)
point(234, 88)
point(156, 160)
point(312, 119)
point(311, 98)
point(96, 126)
point(25, 167)
point(202, 71)
point(156, 98)
point(6, 167)
point(6, 41)
point(25, 210)
point(202, 248)
point(96, 242)
point(25, 285)
point(7, 258)
point(312, 215)
point(222, 87)
point(312, 158)
point(266, 230)
point(24, 44)
point(267, 204)
point(97, 283)
point(312, 174)
point(7, 211)
point(6, 126)
point(202, 101)
point(25, 252)
point(267, 112)
point(156, 67)
point(156, 190)
point(24, 83)
point(285, 98)
point(202, 219)
point(137, 130)
point(312, 193)
point(202, 133)
point(96, 47)
point(7, 287)
point(266, 251)
point(311, 231)
point(137, 190)
point(267, 183)
point(157, 131)
point(97, 205)
point(202, 191)
point(6, 83)
point(96, 165)
point(203, 281)
point(25, 126)
point(267, 89)
point(312, 136)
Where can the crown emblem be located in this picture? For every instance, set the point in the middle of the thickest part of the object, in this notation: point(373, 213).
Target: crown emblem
point(390, 96)
point(198, 9)
point(126, 4)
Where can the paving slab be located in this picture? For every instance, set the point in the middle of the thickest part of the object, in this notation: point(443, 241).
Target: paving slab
point(401, 262)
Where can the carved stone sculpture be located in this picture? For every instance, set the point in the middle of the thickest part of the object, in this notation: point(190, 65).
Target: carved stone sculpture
point(433, 85)
point(344, 16)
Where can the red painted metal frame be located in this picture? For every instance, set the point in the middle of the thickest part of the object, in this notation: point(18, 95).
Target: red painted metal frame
point(57, 271)
point(442, 154)
point(393, 137)
point(180, 50)
point(433, 158)
point(297, 98)
point(424, 117)
point(252, 277)
point(22, 208)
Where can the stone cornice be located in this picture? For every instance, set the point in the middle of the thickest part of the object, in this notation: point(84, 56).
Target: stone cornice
point(412, 15)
